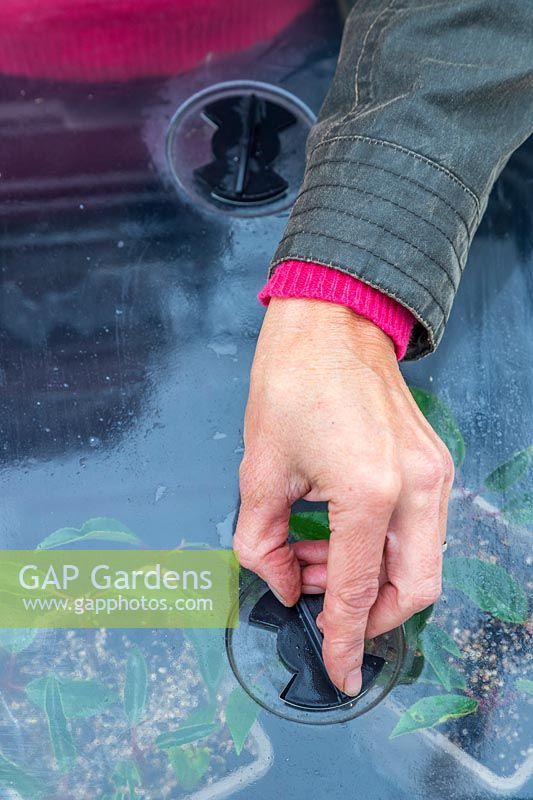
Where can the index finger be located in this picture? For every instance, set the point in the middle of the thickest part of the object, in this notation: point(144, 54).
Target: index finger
point(358, 530)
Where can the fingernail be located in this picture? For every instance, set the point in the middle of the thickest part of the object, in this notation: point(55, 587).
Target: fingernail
point(310, 589)
point(352, 683)
point(277, 596)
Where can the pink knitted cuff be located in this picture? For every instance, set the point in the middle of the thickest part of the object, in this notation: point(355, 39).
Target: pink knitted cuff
point(302, 279)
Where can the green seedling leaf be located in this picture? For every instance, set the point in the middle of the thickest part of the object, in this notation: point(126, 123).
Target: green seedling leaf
point(441, 420)
point(210, 654)
point(241, 713)
point(510, 471)
point(435, 645)
point(455, 679)
point(136, 686)
point(524, 685)
point(489, 586)
point(79, 698)
point(190, 764)
point(126, 774)
point(15, 778)
point(442, 640)
point(185, 735)
point(60, 737)
point(102, 529)
point(202, 715)
point(309, 525)
point(431, 711)
point(414, 626)
point(520, 510)
point(16, 639)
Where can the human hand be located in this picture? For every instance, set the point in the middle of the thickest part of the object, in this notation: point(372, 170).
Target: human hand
point(330, 418)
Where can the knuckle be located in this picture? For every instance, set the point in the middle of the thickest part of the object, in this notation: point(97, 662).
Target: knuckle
point(431, 468)
point(338, 653)
point(378, 486)
point(387, 489)
point(248, 557)
point(351, 601)
point(449, 466)
point(422, 596)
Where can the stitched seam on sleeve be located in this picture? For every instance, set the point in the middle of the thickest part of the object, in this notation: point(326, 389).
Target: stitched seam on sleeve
point(372, 253)
point(377, 50)
point(370, 281)
point(406, 151)
point(353, 215)
point(363, 49)
point(340, 185)
point(388, 171)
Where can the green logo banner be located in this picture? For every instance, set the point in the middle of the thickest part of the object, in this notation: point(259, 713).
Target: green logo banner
point(118, 589)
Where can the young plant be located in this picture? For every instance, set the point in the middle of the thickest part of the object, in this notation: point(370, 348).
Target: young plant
point(190, 759)
point(63, 700)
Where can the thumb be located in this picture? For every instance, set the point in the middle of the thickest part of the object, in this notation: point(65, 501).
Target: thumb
point(260, 543)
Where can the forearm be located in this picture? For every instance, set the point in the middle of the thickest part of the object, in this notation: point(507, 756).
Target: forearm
point(426, 107)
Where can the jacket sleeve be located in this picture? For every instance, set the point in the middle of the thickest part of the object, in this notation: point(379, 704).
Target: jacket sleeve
point(429, 100)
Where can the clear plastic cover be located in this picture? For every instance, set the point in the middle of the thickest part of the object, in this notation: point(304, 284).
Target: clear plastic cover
point(127, 328)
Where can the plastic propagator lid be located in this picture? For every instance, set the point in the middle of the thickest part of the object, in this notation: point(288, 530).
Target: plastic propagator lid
point(276, 654)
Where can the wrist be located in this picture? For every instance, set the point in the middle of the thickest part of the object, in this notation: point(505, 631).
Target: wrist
point(320, 326)
point(299, 279)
